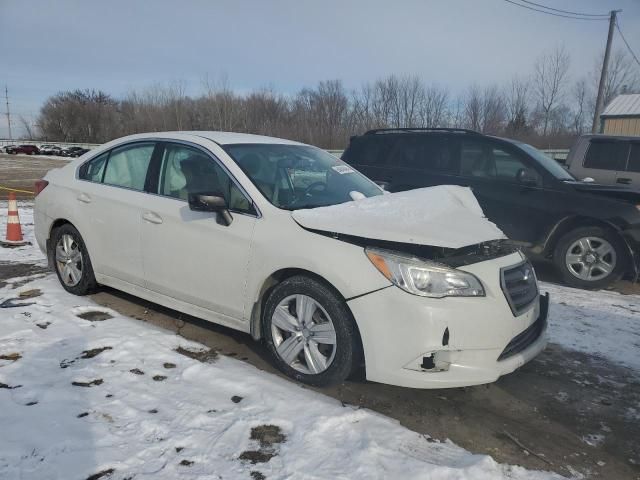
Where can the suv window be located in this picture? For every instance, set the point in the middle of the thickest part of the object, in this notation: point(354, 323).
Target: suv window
point(93, 170)
point(127, 166)
point(424, 152)
point(606, 155)
point(482, 160)
point(188, 170)
point(634, 158)
point(370, 150)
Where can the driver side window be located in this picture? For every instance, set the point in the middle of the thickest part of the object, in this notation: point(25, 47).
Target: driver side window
point(482, 160)
point(186, 170)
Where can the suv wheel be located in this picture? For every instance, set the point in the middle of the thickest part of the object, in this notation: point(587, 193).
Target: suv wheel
point(309, 332)
point(590, 257)
point(71, 261)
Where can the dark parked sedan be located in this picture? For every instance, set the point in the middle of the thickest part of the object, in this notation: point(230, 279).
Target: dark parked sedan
point(591, 232)
point(73, 151)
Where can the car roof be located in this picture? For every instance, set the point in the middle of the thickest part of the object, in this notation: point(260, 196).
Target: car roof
point(221, 138)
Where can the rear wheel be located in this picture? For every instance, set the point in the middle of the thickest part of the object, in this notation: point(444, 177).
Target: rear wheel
point(71, 261)
point(309, 332)
point(590, 257)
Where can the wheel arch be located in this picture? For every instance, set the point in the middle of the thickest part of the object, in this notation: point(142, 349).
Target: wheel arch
point(280, 276)
point(570, 223)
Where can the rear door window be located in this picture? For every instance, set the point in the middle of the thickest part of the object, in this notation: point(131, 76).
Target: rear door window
point(634, 158)
point(607, 155)
point(127, 165)
point(430, 153)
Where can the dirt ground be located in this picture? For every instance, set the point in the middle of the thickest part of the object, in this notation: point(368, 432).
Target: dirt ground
point(22, 171)
point(548, 415)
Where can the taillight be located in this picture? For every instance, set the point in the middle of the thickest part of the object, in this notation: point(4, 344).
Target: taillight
point(40, 185)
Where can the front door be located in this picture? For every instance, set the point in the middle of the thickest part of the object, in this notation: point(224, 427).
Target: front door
point(518, 203)
point(193, 256)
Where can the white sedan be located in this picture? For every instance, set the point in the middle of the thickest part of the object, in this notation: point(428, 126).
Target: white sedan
point(288, 243)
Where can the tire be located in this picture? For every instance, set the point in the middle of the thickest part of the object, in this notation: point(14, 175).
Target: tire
point(340, 357)
point(77, 256)
point(605, 269)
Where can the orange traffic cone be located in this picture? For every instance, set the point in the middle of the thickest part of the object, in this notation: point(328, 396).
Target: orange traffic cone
point(14, 230)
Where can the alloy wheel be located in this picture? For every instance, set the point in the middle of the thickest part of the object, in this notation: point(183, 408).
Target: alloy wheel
point(303, 334)
point(590, 258)
point(69, 261)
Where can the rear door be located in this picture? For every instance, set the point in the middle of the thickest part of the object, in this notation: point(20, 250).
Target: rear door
point(111, 196)
point(631, 175)
point(605, 159)
point(190, 255)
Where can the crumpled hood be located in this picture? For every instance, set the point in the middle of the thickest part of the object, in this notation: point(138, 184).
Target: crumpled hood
point(445, 216)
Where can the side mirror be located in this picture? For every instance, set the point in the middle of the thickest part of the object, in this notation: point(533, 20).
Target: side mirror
point(526, 177)
point(211, 202)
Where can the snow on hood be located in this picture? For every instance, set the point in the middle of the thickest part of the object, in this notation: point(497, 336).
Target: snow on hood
point(444, 216)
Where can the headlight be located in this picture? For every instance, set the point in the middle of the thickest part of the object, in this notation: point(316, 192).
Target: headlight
point(424, 278)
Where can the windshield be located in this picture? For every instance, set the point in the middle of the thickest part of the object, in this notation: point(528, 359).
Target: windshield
point(548, 163)
point(299, 176)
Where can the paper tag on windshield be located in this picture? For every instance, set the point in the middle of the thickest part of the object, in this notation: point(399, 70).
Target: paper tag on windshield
point(342, 169)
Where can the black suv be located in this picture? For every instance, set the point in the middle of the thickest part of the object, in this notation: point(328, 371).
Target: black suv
point(590, 231)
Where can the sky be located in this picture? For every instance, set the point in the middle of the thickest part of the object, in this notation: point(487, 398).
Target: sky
point(123, 45)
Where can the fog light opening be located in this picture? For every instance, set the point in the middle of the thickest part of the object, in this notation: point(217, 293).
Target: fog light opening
point(436, 361)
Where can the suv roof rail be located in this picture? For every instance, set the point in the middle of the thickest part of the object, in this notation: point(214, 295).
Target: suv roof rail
point(417, 129)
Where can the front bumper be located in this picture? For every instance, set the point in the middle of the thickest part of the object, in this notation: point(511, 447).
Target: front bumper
point(421, 342)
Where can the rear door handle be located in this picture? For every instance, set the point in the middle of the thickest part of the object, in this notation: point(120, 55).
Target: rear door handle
point(152, 218)
point(626, 181)
point(84, 198)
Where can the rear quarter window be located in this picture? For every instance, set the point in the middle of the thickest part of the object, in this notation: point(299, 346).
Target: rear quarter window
point(606, 155)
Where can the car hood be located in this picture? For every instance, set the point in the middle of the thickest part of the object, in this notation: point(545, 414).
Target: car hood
point(444, 216)
point(628, 194)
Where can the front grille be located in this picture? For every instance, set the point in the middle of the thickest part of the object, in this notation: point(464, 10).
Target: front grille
point(520, 287)
point(521, 341)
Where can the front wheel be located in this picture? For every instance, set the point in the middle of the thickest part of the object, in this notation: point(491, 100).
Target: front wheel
point(309, 332)
point(590, 257)
point(71, 261)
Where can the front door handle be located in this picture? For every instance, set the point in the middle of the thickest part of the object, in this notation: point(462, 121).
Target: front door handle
point(84, 198)
point(625, 181)
point(152, 218)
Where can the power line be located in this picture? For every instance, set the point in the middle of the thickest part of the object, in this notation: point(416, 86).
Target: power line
point(627, 44)
point(551, 13)
point(566, 11)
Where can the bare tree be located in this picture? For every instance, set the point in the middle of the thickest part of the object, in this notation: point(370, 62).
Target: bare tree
point(579, 92)
point(517, 96)
point(28, 127)
point(622, 76)
point(550, 82)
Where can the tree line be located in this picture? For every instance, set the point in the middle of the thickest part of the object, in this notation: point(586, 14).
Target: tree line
point(545, 107)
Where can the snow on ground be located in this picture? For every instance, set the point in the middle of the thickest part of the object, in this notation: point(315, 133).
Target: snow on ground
point(602, 323)
point(86, 395)
point(30, 253)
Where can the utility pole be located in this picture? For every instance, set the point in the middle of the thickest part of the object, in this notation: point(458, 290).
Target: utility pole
point(603, 73)
point(6, 97)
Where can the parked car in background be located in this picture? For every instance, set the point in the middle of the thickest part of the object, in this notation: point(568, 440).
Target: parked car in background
point(25, 149)
point(286, 242)
point(591, 232)
point(607, 159)
point(73, 151)
point(7, 148)
point(48, 149)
